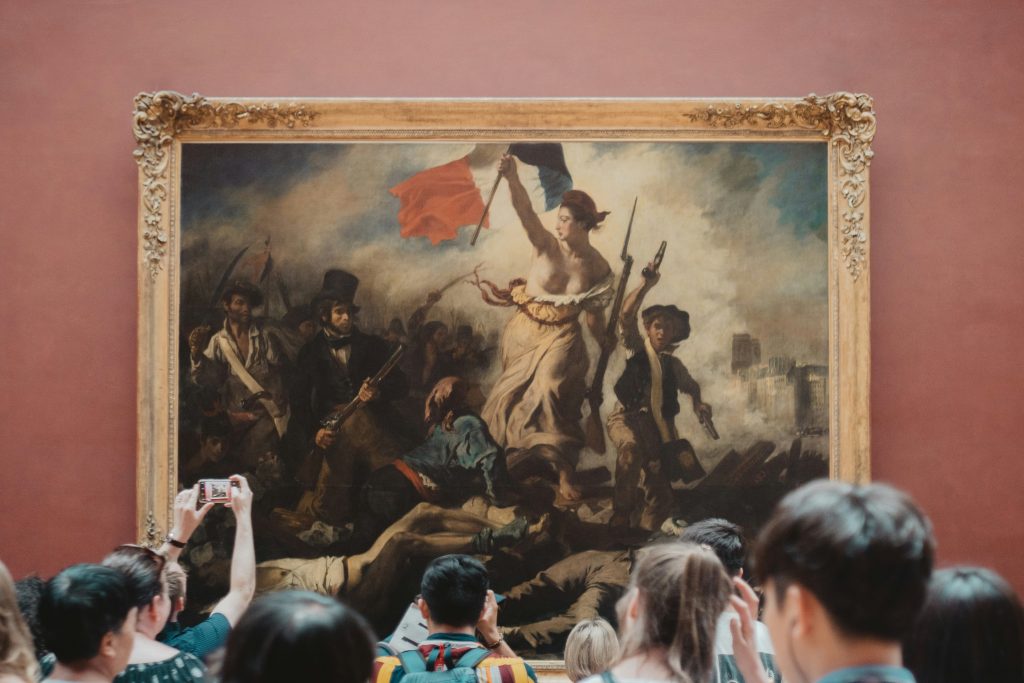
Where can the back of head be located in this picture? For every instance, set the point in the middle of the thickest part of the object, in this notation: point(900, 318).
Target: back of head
point(455, 588)
point(590, 649)
point(299, 636)
point(177, 579)
point(79, 606)
point(724, 538)
point(971, 628)
point(865, 553)
point(682, 590)
point(145, 570)
point(29, 590)
point(17, 655)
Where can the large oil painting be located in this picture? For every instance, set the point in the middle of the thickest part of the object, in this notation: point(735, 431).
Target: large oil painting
point(540, 344)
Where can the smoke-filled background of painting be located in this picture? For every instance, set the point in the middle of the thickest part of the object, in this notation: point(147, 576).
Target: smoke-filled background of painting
point(746, 226)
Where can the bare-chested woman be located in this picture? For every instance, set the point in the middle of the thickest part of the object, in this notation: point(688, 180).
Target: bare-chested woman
point(535, 406)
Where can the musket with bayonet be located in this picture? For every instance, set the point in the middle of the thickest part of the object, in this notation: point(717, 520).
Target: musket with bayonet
point(594, 427)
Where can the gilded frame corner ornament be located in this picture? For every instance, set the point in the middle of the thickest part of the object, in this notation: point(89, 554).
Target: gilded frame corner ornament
point(160, 118)
point(848, 120)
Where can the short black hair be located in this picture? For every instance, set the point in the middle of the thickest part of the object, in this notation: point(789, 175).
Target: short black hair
point(971, 628)
point(723, 537)
point(29, 591)
point(299, 636)
point(81, 605)
point(865, 552)
point(455, 588)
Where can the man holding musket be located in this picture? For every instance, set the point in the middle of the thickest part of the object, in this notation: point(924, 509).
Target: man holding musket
point(333, 369)
point(642, 425)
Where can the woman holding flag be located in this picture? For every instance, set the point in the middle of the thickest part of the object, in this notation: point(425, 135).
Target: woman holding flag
point(534, 409)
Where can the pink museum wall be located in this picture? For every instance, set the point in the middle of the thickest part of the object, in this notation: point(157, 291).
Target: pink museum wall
point(947, 241)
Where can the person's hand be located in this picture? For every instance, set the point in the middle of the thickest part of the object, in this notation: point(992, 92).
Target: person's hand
point(197, 339)
point(325, 438)
point(186, 517)
point(703, 411)
point(487, 625)
point(507, 167)
point(241, 497)
point(608, 342)
point(744, 640)
point(368, 393)
point(651, 276)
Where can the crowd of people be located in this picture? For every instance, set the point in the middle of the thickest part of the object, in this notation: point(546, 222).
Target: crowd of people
point(846, 593)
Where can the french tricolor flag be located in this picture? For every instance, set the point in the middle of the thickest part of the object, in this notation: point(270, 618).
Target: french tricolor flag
point(436, 202)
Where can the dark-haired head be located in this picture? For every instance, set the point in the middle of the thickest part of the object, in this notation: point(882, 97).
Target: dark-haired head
point(88, 610)
point(29, 590)
point(299, 636)
point(583, 209)
point(971, 628)
point(725, 540)
point(145, 570)
point(454, 589)
point(864, 552)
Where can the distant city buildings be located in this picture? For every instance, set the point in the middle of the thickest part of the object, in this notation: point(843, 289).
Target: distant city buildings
point(783, 390)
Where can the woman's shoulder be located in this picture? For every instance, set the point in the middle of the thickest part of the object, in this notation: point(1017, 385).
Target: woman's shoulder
point(181, 667)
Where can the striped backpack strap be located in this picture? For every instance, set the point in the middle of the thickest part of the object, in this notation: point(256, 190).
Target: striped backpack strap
point(385, 669)
point(495, 670)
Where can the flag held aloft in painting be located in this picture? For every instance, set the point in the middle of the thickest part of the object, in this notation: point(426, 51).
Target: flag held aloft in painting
point(436, 202)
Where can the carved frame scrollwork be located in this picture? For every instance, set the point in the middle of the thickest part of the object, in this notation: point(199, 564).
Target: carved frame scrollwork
point(163, 121)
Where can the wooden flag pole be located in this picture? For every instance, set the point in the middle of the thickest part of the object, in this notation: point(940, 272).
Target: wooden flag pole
point(487, 206)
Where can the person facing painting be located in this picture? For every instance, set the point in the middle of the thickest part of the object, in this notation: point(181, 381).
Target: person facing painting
point(535, 406)
point(667, 616)
point(333, 369)
point(88, 616)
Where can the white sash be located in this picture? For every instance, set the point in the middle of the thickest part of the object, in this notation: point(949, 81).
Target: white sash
point(279, 416)
point(657, 397)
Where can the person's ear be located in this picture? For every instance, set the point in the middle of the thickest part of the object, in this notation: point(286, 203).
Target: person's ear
point(424, 610)
point(179, 605)
point(633, 609)
point(108, 646)
point(803, 610)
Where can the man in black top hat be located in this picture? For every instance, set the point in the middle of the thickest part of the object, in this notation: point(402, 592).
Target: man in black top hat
point(332, 370)
point(642, 425)
point(244, 364)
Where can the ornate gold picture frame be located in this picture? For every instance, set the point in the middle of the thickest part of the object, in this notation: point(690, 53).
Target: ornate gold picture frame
point(734, 169)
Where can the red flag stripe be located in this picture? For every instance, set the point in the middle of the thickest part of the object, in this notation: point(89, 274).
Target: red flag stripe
point(436, 202)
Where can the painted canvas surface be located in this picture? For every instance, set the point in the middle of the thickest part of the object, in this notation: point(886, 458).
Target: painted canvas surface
point(395, 391)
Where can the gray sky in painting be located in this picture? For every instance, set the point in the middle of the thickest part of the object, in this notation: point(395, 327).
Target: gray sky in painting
point(745, 223)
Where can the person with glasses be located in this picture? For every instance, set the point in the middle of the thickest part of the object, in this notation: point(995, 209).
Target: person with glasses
point(150, 660)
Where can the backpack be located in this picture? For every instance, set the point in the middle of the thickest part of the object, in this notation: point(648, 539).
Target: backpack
point(418, 669)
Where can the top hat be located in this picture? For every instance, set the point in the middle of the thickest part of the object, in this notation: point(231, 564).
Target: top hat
point(250, 291)
point(339, 285)
point(680, 318)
